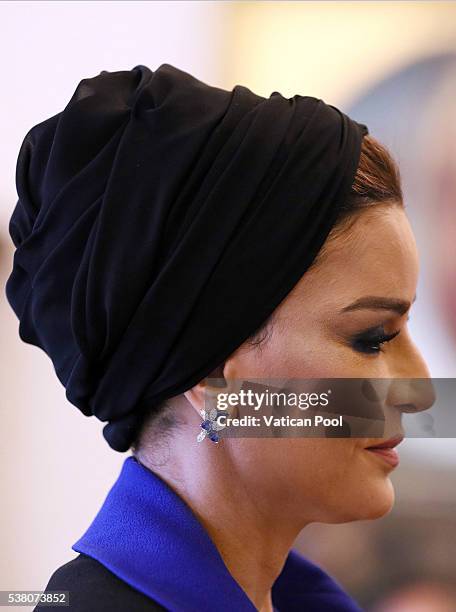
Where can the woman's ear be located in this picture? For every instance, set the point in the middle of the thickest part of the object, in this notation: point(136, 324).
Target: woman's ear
point(208, 387)
point(204, 394)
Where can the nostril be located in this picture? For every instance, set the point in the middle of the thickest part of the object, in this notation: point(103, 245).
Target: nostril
point(407, 408)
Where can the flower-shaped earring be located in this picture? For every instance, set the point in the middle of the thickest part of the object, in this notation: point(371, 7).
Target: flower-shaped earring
point(210, 426)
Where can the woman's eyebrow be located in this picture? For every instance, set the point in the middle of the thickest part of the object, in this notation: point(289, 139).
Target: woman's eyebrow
point(373, 302)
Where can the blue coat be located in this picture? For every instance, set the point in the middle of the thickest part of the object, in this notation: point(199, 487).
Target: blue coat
point(146, 550)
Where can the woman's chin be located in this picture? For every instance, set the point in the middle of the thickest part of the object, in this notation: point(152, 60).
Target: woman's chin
point(378, 501)
point(372, 502)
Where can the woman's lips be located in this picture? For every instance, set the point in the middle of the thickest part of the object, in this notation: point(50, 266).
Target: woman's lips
point(386, 450)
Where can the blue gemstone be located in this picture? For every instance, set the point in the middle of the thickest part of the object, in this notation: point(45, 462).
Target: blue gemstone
point(207, 425)
point(214, 437)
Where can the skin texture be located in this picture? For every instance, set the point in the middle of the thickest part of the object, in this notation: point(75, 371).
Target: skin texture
point(265, 491)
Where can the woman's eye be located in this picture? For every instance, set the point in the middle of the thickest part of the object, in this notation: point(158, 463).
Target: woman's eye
point(371, 341)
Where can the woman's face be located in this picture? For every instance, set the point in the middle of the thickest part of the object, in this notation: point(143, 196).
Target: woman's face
point(316, 335)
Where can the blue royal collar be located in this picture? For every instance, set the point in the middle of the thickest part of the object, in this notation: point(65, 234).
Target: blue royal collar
point(149, 537)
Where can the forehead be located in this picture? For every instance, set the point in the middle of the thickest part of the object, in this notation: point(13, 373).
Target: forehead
point(376, 256)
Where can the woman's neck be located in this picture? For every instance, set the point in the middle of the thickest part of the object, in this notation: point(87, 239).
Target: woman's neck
point(252, 534)
point(248, 540)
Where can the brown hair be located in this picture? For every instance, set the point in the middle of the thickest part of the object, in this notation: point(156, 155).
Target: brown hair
point(377, 179)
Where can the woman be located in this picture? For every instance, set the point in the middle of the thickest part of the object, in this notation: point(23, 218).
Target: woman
point(168, 233)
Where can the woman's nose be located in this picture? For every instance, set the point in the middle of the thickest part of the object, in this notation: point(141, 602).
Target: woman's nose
point(411, 388)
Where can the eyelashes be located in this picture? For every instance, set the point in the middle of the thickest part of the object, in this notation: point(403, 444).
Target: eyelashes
point(371, 341)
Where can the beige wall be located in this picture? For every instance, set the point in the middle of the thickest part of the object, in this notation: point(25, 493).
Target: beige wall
point(333, 49)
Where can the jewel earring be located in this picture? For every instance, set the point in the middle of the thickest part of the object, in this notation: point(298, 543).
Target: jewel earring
point(210, 425)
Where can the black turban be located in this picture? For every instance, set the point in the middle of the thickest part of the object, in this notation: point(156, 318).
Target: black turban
point(160, 221)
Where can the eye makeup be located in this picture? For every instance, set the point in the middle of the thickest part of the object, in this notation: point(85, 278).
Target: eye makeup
point(371, 340)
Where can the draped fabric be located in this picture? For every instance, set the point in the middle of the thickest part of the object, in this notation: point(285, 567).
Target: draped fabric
point(159, 223)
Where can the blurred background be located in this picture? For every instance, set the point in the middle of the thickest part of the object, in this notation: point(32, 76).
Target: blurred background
point(391, 65)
